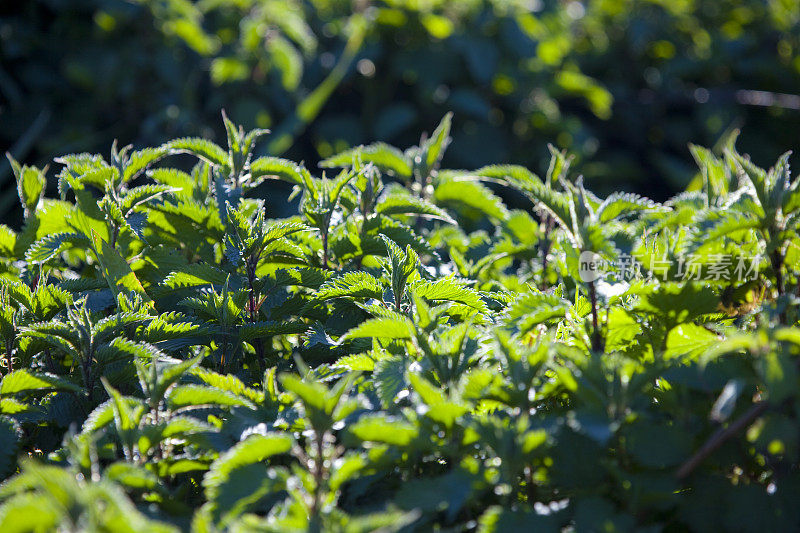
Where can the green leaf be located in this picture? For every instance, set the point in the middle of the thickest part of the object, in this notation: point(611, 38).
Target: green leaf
point(657, 445)
point(313, 395)
point(277, 168)
point(126, 414)
point(498, 519)
point(267, 328)
point(103, 414)
point(756, 176)
point(30, 187)
point(781, 376)
point(390, 378)
point(121, 349)
point(28, 511)
point(553, 202)
point(384, 328)
point(621, 204)
point(677, 303)
point(141, 195)
point(435, 146)
point(689, 341)
point(302, 276)
point(166, 375)
point(254, 449)
point(402, 204)
point(440, 409)
point(361, 362)
point(712, 226)
point(199, 395)
point(9, 442)
point(404, 265)
point(388, 159)
point(384, 429)
point(279, 230)
point(25, 381)
point(429, 393)
point(181, 426)
point(195, 275)
point(716, 175)
point(463, 193)
point(287, 59)
point(791, 200)
point(10, 406)
point(8, 241)
point(140, 160)
point(534, 308)
point(346, 469)
point(228, 383)
point(403, 235)
point(50, 246)
point(202, 148)
point(118, 273)
point(450, 290)
point(449, 492)
point(131, 476)
point(351, 285)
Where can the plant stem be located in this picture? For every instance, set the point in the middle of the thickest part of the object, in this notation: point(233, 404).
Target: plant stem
point(325, 250)
point(88, 379)
point(545, 244)
point(361, 234)
point(114, 236)
point(597, 340)
point(9, 364)
point(251, 279)
point(777, 266)
point(319, 473)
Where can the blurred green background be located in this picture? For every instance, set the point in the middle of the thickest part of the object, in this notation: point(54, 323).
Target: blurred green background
point(623, 84)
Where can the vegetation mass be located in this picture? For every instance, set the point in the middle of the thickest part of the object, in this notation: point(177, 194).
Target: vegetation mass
point(405, 353)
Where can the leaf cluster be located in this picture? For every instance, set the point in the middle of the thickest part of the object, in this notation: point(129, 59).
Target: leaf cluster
point(404, 353)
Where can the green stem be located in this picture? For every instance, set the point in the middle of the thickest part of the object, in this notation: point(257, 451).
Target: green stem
point(362, 233)
point(114, 236)
point(325, 250)
point(88, 379)
point(251, 278)
point(9, 363)
point(319, 475)
point(597, 339)
point(777, 266)
point(545, 248)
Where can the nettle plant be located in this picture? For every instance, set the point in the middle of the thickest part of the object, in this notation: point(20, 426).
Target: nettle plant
point(406, 353)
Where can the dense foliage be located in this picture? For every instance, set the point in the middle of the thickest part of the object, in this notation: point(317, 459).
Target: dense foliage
point(404, 353)
point(624, 84)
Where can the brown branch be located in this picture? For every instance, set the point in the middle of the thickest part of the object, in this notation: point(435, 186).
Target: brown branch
point(720, 437)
